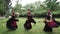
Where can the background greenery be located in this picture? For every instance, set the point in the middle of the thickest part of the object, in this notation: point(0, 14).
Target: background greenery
point(38, 9)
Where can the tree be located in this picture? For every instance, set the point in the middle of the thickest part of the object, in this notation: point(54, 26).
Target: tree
point(4, 6)
point(17, 7)
point(52, 5)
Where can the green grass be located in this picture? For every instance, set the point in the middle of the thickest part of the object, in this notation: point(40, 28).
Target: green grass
point(38, 29)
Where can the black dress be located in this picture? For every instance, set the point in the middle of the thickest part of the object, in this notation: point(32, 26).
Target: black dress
point(28, 25)
point(47, 28)
point(11, 21)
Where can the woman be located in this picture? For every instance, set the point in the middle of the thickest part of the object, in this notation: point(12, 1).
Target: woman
point(29, 20)
point(11, 23)
point(46, 21)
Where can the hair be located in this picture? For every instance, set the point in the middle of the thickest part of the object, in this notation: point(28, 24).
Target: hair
point(29, 10)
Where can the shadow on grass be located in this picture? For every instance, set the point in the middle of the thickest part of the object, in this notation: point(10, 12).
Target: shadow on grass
point(28, 32)
point(52, 32)
point(48, 33)
point(9, 32)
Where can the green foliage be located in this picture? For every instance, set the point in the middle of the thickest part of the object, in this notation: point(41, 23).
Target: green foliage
point(52, 5)
point(17, 8)
point(39, 9)
point(4, 6)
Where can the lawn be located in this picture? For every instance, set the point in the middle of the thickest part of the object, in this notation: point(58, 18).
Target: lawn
point(38, 29)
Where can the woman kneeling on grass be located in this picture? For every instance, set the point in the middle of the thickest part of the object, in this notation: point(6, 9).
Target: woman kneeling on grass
point(29, 20)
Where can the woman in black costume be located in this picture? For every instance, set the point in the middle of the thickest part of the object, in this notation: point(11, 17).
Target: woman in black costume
point(29, 20)
point(46, 27)
point(11, 23)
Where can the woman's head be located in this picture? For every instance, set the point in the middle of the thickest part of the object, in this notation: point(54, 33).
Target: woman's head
point(49, 12)
point(29, 12)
